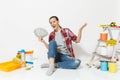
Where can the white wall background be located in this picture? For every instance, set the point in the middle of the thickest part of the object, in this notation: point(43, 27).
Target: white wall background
point(18, 19)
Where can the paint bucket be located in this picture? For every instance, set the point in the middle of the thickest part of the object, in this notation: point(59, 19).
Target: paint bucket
point(112, 67)
point(104, 65)
point(103, 36)
point(29, 58)
point(22, 53)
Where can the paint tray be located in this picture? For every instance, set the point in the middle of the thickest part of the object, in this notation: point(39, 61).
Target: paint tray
point(9, 66)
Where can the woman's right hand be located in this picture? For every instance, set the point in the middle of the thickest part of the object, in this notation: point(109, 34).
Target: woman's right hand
point(40, 38)
point(43, 41)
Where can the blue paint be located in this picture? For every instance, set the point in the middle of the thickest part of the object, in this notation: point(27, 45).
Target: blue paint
point(104, 65)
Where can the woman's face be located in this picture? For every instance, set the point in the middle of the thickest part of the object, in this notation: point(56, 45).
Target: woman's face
point(54, 23)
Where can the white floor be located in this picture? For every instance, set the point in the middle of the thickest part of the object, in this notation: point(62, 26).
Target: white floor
point(82, 73)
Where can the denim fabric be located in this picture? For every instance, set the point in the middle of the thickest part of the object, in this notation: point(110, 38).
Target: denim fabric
point(62, 60)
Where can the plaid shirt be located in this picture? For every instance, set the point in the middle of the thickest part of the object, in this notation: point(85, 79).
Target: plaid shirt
point(69, 36)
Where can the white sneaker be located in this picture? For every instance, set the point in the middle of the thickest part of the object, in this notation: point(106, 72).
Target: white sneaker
point(51, 70)
point(45, 65)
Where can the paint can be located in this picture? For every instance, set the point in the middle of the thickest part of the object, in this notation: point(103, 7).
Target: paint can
point(112, 66)
point(104, 36)
point(104, 65)
point(29, 58)
point(22, 53)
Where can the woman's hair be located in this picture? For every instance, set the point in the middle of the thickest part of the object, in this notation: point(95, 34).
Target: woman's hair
point(54, 17)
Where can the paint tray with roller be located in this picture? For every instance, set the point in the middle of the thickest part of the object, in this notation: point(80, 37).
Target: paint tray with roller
point(9, 66)
point(40, 32)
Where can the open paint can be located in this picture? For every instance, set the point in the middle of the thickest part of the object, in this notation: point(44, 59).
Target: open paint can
point(112, 66)
point(104, 36)
point(104, 65)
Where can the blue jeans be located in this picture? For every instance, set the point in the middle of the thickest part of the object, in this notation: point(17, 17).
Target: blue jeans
point(62, 60)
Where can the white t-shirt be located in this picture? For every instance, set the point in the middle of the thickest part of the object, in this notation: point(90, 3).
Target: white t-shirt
point(61, 46)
